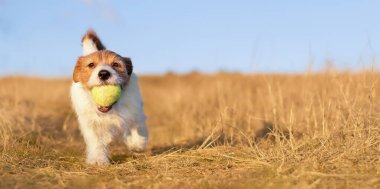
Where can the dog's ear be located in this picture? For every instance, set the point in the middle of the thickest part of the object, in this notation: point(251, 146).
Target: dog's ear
point(91, 43)
point(128, 65)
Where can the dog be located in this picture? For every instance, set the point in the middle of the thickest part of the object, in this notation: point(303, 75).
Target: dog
point(101, 125)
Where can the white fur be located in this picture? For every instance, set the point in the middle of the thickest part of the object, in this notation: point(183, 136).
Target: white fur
point(126, 119)
point(88, 47)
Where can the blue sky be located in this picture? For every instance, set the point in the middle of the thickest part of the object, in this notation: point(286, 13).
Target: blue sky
point(43, 37)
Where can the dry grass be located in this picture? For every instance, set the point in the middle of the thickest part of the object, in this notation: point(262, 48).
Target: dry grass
point(207, 131)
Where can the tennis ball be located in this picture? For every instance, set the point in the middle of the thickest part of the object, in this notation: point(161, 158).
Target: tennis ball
point(106, 95)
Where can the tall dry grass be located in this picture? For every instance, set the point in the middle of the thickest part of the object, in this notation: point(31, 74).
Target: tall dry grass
point(207, 131)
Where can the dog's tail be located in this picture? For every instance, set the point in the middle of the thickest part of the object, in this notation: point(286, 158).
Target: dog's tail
point(91, 43)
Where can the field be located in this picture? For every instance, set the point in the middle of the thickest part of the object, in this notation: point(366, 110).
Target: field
point(225, 130)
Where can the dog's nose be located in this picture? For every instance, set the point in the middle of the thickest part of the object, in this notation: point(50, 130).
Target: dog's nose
point(104, 74)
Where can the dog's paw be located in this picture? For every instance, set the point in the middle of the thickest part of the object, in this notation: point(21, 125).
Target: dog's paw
point(136, 148)
point(98, 161)
point(136, 143)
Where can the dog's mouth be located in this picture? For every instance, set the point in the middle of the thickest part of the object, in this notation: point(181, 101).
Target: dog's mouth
point(104, 109)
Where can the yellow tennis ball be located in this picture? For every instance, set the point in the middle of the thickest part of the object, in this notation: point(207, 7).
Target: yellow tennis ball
point(106, 95)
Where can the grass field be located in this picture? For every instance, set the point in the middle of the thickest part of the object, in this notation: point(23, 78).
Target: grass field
point(206, 131)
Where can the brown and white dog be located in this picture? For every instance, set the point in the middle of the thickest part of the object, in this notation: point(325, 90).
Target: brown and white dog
point(100, 125)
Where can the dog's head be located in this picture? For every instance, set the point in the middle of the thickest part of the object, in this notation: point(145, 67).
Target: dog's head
point(99, 66)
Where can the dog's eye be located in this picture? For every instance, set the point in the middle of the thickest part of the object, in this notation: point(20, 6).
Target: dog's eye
point(91, 65)
point(116, 65)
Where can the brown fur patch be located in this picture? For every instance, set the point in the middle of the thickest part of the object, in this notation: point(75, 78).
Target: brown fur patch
point(82, 71)
point(91, 35)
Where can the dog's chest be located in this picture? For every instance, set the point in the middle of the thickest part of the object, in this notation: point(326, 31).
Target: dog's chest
point(119, 115)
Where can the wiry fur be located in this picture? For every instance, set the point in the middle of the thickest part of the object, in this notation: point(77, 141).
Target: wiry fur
point(126, 118)
point(91, 43)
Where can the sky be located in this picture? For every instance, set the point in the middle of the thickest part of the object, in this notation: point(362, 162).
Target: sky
point(42, 38)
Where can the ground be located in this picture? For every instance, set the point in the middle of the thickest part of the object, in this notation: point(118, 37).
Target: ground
point(206, 131)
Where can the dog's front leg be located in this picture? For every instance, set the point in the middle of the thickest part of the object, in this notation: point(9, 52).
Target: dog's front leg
point(96, 146)
point(136, 138)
